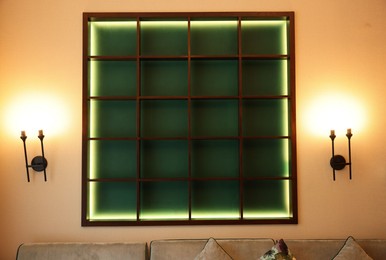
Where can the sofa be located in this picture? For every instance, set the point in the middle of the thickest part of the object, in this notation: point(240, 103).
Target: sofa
point(180, 249)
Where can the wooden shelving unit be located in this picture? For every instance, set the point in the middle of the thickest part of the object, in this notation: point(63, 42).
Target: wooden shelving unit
point(188, 118)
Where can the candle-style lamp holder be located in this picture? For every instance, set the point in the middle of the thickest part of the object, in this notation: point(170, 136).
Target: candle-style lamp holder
point(337, 161)
point(39, 163)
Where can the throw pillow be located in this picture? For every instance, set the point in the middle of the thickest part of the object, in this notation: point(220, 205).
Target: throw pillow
point(352, 251)
point(212, 251)
point(279, 251)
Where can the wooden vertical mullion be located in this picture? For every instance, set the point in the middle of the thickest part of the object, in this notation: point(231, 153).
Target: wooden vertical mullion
point(85, 121)
point(240, 121)
point(292, 129)
point(138, 119)
point(189, 125)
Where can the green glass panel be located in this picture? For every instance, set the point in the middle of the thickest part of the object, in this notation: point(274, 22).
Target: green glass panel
point(265, 77)
point(214, 37)
point(214, 77)
point(113, 38)
point(164, 159)
point(164, 38)
point(112, 159)
point(265, 117)
point(113, 200)
point(164, 200)
point(214, 118)
point(112, 118)
point(164, 78)
point(215, 158)
point(266, 158)
point(164, 118)
point(215, 200)
point(113, 78)
point(266, 199)
point(264, 37)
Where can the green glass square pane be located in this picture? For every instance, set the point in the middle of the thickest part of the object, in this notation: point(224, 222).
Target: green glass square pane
point(164, 78)
point(110, 118)
point(112, 159)
point(265, 77)
point(164, 200)
point(214, 37)
point(112, 38)
point(214, 118)
point(164, 159)
point(164, 38)
point(266, 158)
point(164, 118)
point(112, 201)
point(265, 117)
point(113, 78)
point(215, 199)
point(214, 77)
point(215, 158)
point(266, 199)
point(264, 37)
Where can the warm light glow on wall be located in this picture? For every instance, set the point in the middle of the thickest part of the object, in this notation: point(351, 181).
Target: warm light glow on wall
point(338, 111)
point(31, 111)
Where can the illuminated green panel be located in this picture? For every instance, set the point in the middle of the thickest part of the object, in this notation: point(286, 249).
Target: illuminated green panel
point(265, 77)
point(112, 118)
point(112, 201)
point(162, 118)
point(164, 78)
point(215, 158)
point(112, 159)
point(215, 200)
point(214, 118)
point(208, 37)
point(164, 38)
point(164, 159)
point(267, 117)
point(164, 200)
point(113, 38)
point(214, 77)
point(264, 37)
point(265, 158)
point(113, 78)
point(266, 199)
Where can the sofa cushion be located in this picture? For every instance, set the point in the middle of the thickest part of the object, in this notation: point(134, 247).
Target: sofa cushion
point(81, 251)
point(279, 251)
point(181, 249)
point(212, 251)
point(351, 251)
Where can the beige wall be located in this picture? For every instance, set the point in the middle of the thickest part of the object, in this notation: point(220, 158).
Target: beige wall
point(340, 50)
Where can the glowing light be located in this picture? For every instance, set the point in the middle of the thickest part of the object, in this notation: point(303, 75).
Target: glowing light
point(216, 215)
point(214, 23)
point(335, 111)
point(164, 24)
point(32, 111)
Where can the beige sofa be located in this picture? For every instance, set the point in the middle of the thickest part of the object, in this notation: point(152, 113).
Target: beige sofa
point(82, 251)
point(181, 249)
point(244, 249)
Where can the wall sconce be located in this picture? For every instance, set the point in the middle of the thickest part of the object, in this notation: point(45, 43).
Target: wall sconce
point(38, 163)
point(338, 162)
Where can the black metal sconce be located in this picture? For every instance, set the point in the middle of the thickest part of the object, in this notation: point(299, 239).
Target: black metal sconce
point(38, 163)
point(338, 162)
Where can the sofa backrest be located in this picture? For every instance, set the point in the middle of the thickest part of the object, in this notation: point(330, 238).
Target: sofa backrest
point(181, 249)
point(328, 248)
point(81, 251)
